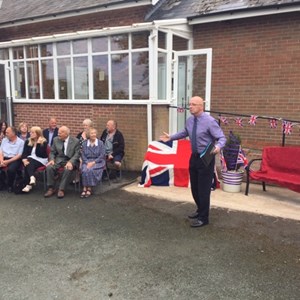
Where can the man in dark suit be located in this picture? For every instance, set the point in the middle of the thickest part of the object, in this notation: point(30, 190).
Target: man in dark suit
point(65, 153)
point(51, 132)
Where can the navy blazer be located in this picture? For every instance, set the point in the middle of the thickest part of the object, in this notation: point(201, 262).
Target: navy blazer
point(46, 134)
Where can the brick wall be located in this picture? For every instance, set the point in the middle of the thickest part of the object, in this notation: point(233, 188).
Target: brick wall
point(160, 120)
point(131, 119)
point(256, 70)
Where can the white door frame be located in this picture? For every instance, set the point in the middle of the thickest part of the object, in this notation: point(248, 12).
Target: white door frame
point(173, 112)
point(9, 119)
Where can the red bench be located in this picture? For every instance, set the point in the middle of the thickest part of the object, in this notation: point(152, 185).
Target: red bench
point(279, 165)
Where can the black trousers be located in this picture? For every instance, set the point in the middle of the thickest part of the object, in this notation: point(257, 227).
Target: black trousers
point(30, 169)
point(201, 181)
point(12, 169)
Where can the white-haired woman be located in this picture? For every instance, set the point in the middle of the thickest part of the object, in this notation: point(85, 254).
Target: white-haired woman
point(93, 163)
point(34, 156)
point(82, 136)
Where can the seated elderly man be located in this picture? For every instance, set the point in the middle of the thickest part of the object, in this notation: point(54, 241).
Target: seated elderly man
point(10, 157)
point(64, 155)
point(51, 132)
point(114, 143)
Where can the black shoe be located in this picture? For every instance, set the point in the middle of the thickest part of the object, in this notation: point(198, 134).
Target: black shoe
point(10, 189)
point(199, 223)
point(193, 215)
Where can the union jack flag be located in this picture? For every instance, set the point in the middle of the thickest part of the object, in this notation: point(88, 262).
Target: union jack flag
point(180, 109)
point(166, 164)
point(273, 123)
point(252, 120)
point(287, 127)
point(223, 162)
point(242, 159)
point(239, 122)
point(224, 120)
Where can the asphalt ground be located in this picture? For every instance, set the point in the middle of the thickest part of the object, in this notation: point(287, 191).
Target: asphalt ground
point(123, 245)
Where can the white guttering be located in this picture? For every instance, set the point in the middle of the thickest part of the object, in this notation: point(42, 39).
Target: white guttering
point(231, 15)
point(73, 13)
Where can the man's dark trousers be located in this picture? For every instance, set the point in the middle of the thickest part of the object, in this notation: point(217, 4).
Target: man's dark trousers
point(201, 181)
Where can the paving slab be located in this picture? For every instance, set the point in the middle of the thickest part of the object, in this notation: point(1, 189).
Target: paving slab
point(276, 201)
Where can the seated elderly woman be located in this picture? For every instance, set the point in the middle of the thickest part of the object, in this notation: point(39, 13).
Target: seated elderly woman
point(34, 156)
point(93, 162)
point(86, 124)
point(23, 132)
point(82, 136)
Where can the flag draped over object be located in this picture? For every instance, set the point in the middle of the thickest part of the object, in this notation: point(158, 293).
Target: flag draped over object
point(166, 164)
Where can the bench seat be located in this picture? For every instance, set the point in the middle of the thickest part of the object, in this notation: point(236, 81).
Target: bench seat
point(279, 165)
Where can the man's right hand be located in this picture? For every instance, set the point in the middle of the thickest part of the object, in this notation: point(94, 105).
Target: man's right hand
point(50, 163)
point(165, 137)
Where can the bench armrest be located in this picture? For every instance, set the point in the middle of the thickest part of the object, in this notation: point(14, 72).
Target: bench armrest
point(248, 169)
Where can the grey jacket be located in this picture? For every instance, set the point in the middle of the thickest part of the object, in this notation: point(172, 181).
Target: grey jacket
point(72, 154)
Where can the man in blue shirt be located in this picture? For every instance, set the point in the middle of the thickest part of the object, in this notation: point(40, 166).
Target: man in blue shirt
point(10, 156)
point(202, 129)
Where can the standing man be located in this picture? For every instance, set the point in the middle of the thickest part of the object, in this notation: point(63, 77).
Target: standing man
point(10, 156)
point(113, 141)
point(51, 132)
point(64, 154)
point(202, 130)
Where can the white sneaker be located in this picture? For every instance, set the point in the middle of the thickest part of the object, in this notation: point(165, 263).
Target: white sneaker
point(27, 189)
point(32, 180)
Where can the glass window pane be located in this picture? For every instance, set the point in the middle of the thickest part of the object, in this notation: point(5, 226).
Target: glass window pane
point(80, 46)
point(31, 51)
point(100, 44)
point(63, 48)
point(140, 39)
point(46, 50)
point(119, 42)
point(162, 40)
point(81, 78)
point(162, 75)
point(140, 75)
point(100, 75)
point(119, 70)
point(18, 53)
point(19, 77)
point(4, 54)
point(64, 78)
point(33, 80)
point(48, 79)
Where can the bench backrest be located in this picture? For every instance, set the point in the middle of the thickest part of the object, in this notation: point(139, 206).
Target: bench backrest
point(281, 159)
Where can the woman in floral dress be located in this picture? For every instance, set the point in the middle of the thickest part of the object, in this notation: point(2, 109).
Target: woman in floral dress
point(93, 163)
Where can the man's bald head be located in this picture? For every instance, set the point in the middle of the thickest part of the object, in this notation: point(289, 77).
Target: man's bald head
point(63, 132)
point(196, 105)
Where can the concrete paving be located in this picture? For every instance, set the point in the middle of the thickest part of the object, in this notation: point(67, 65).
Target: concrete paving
point(276, 201)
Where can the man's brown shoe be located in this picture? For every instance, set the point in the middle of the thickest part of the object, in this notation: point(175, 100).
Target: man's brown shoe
point(60, 194)
point(49, 193)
